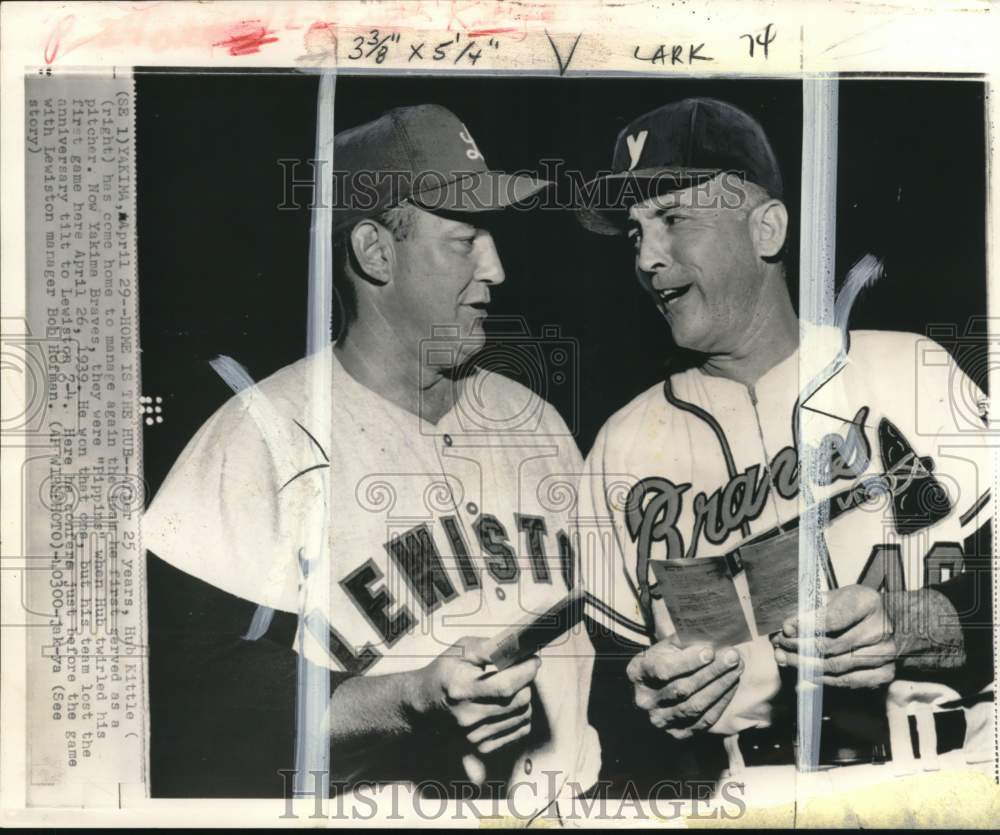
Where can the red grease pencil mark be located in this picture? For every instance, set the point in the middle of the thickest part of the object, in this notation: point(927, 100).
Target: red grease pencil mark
point(160, 26)
point(55, 37)
point(247, 37)
point(502, 30)
point(479, 19)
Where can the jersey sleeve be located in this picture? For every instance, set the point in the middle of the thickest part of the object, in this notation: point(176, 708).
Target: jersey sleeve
point(953, 410)
point(217, 515)
point(612, 597)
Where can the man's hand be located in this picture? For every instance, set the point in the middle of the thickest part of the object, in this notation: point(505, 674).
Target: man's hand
point(684, 690)
point(854, 646)
point(492, 709)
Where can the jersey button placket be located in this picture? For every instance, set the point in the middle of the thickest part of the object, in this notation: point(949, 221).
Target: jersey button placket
point(459, 471)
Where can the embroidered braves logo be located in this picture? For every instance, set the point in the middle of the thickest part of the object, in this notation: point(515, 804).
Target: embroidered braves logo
point(635, 146)
point(473, 152)
point(654, 504)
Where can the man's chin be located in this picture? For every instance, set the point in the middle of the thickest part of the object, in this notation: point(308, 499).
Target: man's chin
point(684, 339)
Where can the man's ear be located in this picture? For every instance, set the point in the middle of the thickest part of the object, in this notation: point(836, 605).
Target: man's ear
point(768, 227)
point(373, 250)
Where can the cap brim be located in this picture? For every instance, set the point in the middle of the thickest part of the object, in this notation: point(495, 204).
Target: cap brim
point(488, 191)
point(610, 197)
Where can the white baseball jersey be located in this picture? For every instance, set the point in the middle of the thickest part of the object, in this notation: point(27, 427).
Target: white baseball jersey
point(438, 531)
point(695, 465)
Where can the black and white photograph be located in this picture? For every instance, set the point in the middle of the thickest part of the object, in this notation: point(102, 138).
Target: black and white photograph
point(436, 416)
point(568, 363)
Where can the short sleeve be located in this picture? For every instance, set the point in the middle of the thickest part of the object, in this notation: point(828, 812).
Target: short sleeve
point(953, 410)
point(217, 515)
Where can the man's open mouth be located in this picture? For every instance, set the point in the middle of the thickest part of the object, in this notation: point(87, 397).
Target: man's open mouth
point(481, 306)
point(666, 297)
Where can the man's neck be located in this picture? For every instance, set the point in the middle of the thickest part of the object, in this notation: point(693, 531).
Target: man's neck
point(772, 337)
point(379, 364)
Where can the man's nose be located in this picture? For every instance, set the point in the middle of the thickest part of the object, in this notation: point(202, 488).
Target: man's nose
point(489, 270)
point(653, 258)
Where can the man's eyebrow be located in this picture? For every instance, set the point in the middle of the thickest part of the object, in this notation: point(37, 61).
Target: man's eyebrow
point(668, 203)
point(675, 203)
point(660, 211)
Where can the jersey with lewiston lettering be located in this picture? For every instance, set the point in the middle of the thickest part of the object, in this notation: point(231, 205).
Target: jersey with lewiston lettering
point(437, 531)
point(699, 464)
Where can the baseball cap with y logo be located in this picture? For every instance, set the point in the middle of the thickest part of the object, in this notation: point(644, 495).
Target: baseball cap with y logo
point(424, 155)
point(674, 147)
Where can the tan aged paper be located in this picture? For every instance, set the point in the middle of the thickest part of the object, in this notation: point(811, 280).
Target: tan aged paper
point(342, 341)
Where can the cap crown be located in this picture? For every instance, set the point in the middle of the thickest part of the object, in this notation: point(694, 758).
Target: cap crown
point(405, 152)
point(426, 139)
point(703, 134)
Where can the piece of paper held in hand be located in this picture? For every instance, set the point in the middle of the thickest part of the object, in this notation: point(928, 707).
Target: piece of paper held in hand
point(703, 595)
point(771, 567)
point(702, 600)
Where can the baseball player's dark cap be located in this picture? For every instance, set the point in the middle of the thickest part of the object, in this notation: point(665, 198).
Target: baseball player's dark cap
point(674, 147)
point(423, 155)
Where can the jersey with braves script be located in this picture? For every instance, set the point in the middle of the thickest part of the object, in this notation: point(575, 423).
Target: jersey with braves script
point(700, 464)
point(437, 531)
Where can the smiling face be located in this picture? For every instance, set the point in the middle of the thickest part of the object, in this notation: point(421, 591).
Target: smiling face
point(697, 259)
point(443, 273)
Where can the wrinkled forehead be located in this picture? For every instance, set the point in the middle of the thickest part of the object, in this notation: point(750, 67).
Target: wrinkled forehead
point(658, 202)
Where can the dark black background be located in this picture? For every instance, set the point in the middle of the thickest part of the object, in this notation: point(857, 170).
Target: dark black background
point(223, 270)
